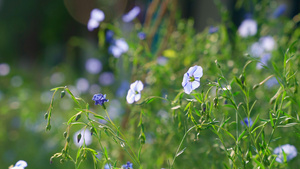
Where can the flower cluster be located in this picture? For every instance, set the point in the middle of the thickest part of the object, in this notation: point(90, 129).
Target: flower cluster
point(100, 99)
point(96, 17)
point(289, 150)
point(191, 79)
point(116, 46)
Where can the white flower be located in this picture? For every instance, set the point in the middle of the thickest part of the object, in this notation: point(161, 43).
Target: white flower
point(118, 48)
point(20, 165)
point(267, 43)
point(133, 13)
point(248, 28)
point(288, 149)
point(256, 50)
point(191, 79)
point(96, 17)
point(86, 137)
point(134, 93)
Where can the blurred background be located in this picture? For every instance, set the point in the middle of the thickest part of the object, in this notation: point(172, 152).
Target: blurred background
point(45, 44)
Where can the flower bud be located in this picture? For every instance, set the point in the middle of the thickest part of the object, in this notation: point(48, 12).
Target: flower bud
point(62, 94)
point(255, 86)
point(46, 116)
point(203, 105)
point(242, 78)
point(65, 134)
point(78, 138)
point(78, 117)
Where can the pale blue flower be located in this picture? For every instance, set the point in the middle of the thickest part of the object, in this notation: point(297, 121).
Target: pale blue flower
point(256, 50)
point(133, 13)
point(134, 93)
point(289, 150)
point(271, 82)
point(93, 66)
point(213, 29)
point(21, 164)
point(191, 79)
point(142, 35)
point(247, 28)
point(96, 17)
point(108, 166)
point(118, 47)
point(86, 137)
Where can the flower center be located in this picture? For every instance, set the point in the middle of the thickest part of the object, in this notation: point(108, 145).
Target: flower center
point(192, 78)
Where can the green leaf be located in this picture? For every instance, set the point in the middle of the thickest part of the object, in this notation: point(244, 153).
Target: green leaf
point(241, 135)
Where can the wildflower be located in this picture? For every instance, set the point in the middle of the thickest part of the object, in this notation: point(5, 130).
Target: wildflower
point(263, 60)
point(109, 36)
point(106, 78)
point(21, 164)
point(93, 66)
point(141, 35)
point(108, 166)
point(271, 82)
point(85, 137)
point(134, 93)
point(100, 99)
point(248, 28)
point(247, 121)
point(96, 17)
point(279, 11)
point(128, 165)
point(268, 43)
point(191, 79)
point(289, 150)
point(133, 13)
point(213, 29)
point(256, 50)
point(118, 47)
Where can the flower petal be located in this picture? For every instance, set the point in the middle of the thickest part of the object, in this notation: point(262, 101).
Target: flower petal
point(130, 96)
point(139, 86)
point(97, 15)
point(115, 51)
point(195, 84)
point(137, 97)
point(122, 45)
point(133, 13)
point(92, 24)
point(21, 163)
point(185, 80)
point(191, 70)
point(188, 88)
point(198, 72)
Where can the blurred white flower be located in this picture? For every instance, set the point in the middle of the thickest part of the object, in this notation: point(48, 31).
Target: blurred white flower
point(16, 81)
point(93, 65)
point(263, 60)
point(86, 137)
point(96, 17)
point(82, 85)
point(118, 47)
point(247, 28)
point(256, 50)
point(57, 78)
point(20, 165)
point(106, 78)
point(133, 13)
point(267, 43)
point(289, 150)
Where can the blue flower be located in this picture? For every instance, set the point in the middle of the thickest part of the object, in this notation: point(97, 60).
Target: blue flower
point(109, 36)
point(247, 28)
point(191, 79)
point(108, 166)
point(142, 35)
point(134, 93)
point(289, 150)
point(271, 82)
point(128, 165)
point(279, 11)
point(100, 99)
point(133, 13)
point(118, 47)
point(96, 17)
point(20, 165)
point(247, 121)
point(213, 29)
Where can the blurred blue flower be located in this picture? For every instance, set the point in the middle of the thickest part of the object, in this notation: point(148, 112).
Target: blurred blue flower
point(256, 50)
point(279, 10)
point(213, 29)
point(93, 65)
point(247, 121)
point(118, 47)
point(109, 36)
point(96, 17)
point(289, 150)
point(100, 99)
point(128, 165)
point(247, 28)
point(21, 164)
point(121, 92)
point(271, 82)
point(141, 35)
point(108, 166)
point(191, 79)
point(106, 78)
point(133, 13)
point(161, 60)
point(134, 93)
point(263, 60)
